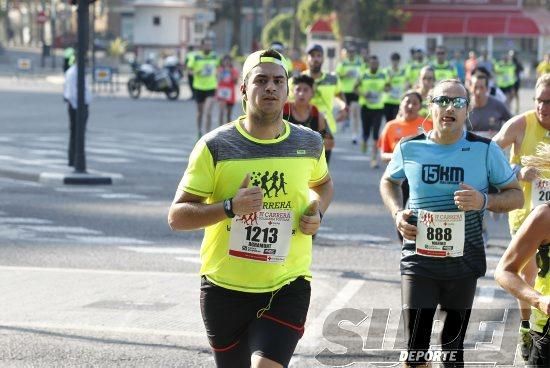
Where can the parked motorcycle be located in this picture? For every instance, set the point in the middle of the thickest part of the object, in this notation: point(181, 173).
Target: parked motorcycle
point(164, 80)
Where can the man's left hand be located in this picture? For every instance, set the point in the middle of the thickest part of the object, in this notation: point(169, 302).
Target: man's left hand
point(311, 219)
point(468, 198)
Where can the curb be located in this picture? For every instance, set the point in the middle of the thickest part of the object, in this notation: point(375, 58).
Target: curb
point(68, 177)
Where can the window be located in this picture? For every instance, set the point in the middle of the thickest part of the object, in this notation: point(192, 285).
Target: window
point(199, 28)
point(156, 20)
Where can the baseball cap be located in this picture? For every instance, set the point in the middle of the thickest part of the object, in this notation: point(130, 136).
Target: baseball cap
point(277, 46)
point(260, 57)
point(314, 47)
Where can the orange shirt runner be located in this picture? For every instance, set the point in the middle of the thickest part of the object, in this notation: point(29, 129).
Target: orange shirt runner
point(396, 129)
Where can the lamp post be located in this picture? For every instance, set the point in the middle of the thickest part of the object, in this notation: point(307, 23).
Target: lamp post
point(83, 32)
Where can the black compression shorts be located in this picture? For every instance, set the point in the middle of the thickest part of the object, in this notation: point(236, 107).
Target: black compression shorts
point(201, 96)
point(237, 328)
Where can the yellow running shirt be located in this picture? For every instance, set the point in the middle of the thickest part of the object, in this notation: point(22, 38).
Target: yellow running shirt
point(534, 134)
point(260, 252)
point(204, 69)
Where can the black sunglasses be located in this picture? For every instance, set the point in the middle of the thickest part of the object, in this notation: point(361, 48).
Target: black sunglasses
point(444, 101)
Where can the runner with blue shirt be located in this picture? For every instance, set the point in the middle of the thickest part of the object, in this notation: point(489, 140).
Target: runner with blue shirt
point(449, 171)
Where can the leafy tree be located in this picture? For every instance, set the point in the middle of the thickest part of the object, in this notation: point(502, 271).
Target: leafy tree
point(279, 29)
point(367, 19)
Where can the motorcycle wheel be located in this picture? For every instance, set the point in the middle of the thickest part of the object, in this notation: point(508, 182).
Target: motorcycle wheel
point(173, 94)
point(134, 88)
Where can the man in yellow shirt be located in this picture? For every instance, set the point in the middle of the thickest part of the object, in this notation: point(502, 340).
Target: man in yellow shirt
point(524, 133)
point(327, 87)
point(259, 187)
point(204, 65)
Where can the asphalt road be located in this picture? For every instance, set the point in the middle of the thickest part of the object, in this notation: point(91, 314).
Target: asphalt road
point(92, 275)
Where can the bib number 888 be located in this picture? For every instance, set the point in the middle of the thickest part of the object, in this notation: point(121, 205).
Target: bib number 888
point(439, 234)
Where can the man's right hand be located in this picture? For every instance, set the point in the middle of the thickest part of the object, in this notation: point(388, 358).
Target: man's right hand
point(528, 173)
point(407, 230)
point(247, 200)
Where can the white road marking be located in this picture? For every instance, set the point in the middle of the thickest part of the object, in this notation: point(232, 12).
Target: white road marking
point(24, 220)
point(106, 240)
point(61, 229)
point(353, 237)
point(195, 260)
point(101, 329)
point(162, 250)
point(485, 294)
point(97, 271)
point(313, 334)
point(122, 196)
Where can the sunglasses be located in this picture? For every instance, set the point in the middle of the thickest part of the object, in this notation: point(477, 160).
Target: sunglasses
point(444, 101)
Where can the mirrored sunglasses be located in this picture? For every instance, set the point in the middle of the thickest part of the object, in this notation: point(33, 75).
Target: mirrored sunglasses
point(444, 101)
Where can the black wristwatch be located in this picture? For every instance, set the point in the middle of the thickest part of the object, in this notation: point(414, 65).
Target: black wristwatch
point(228, 207)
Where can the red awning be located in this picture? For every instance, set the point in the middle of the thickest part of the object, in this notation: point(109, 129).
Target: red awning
point(467, 22)
point(321, 26)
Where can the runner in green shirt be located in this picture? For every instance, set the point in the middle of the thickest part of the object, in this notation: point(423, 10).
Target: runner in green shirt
point(327, 87)
point(348, 70)
point(204, 65)
point(370, 88)
point(396, 83)
point(443, 69)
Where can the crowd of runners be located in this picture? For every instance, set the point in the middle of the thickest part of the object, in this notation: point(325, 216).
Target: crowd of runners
point(260, 186)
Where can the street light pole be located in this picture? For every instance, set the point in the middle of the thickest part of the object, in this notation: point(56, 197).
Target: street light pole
point(53, 16)
point(83, 32)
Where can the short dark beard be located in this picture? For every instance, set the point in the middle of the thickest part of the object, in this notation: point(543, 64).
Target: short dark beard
point(315, 69)
point(261, 118)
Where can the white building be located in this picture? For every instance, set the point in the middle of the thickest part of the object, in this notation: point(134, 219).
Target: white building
point(168, 26)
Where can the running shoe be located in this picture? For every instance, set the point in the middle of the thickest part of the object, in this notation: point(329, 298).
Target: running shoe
point(525, 342)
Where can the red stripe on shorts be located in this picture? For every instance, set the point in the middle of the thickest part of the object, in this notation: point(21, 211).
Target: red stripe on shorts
point(299, 329)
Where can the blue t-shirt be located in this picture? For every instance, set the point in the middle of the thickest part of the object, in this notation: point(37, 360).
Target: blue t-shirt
point(434, 172)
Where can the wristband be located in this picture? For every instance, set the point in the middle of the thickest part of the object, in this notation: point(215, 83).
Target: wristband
point(516, 169)
point(228, 208)
point(485, 201)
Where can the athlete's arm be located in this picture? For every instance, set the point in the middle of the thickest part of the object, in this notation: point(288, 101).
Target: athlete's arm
point(322, 194)
point(533, 232)
point(324, 129)
point(510, 197)
point(189, 212)
point(511, 132)
point(392, 196)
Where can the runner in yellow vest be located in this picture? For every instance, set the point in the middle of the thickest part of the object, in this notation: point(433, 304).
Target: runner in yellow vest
point(327, 87)
point(505, 71)
point(524, 133)
point(204, 65)
point(370, 88)
point(414, 66)
point(348, 70)
point(443, 69)
point(397, 84)
point(532, 241)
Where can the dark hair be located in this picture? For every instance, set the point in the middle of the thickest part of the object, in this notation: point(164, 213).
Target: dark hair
point(303, 78)
point(482, 70)
point(373, 57)
point(481, 76)
point(413, 93)
point(395, 56)
point(458, 82)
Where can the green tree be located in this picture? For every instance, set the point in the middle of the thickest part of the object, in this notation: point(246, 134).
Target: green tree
point(279, 29)
point(366, 19)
